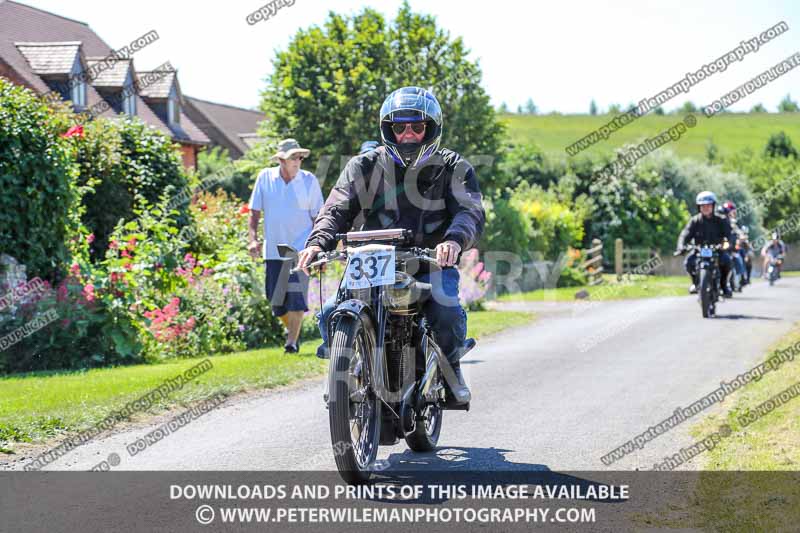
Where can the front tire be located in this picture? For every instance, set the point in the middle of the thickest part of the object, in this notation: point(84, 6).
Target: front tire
point(354, 411)
point(704, 288)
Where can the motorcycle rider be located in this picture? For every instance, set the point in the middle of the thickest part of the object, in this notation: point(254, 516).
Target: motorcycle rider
point(411, 183)
point(776, 247)
point(706, 227)
point(728, 209)
point(746, 251)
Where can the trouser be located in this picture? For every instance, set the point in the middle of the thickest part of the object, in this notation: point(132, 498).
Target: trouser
point(690, 263)
point(738, 263)
point(443, 312)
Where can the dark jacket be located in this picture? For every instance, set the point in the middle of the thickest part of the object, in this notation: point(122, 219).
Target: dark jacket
point(440, 201)
point(703, 230)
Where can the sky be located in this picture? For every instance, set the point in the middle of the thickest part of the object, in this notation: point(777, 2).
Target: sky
point(562, 54)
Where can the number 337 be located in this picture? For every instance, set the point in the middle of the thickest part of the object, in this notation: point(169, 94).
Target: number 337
point(368, 267)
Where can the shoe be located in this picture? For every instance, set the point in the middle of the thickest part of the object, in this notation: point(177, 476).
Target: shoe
point(291, 348)
point(322, 351)
point(692, 289)
point(458, 387)
point(727, 293)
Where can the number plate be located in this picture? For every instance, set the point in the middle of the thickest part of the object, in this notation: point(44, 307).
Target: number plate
point(370, 266)
point(706, 252)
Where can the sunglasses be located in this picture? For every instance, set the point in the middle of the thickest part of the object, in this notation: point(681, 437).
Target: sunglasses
point(297, 157)
point(400, 127)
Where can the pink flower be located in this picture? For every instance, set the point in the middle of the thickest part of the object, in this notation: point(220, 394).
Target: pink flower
point(90, 238)
point(75, 269)
point(132, 243)
point(126, 253)
point(76, 130)
point(113, 245)
point(88, 292)
point(244, 210)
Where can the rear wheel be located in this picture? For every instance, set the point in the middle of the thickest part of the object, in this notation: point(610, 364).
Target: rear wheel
point(704, 289)
point(354, 410)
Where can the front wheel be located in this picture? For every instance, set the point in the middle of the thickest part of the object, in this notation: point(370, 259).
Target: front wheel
point(354, 411)
point(704, 289)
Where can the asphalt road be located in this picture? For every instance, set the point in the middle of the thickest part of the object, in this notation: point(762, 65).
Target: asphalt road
point(557, 394)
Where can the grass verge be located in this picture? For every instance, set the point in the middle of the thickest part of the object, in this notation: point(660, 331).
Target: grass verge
point(37, 406)
point(749, 478)
point(611, 289)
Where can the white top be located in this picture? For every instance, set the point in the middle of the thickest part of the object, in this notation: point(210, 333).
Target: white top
point(289, 208)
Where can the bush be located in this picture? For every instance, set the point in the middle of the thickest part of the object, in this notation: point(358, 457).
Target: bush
point(127, 165)
point(38, 204)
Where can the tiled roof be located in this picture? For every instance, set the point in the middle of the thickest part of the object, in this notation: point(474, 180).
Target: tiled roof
point(50, 58)
point(232, 127)
point(112, 74)
point(160, 88)
point(20, 23)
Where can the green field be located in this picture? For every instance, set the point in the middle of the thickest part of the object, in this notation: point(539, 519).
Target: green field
point(37, 406)
point(731, 132)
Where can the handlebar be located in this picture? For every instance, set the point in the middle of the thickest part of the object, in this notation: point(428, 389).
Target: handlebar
point(426, 255)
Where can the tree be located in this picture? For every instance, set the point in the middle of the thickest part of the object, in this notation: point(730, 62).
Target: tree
point(780, 145)
point(329, 83)
point(788, 105)
point(593, 108)
point(503, 109)
point(658, 111)
point(519, 110)
point(614, 109)
point(530, 107)
point(758, 108)
point(688, 107)
point(712, 152)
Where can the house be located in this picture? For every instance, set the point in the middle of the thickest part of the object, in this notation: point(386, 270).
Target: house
point(63, 58)
point(232, 128)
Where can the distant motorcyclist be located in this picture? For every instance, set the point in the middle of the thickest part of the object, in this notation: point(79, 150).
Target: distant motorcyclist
point(706, 227)
point(775, 248)
point(728, 209)
point(744, 249)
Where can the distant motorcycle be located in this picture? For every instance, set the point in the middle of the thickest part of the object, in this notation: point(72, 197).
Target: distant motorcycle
point(773, 268)
point(387, 376)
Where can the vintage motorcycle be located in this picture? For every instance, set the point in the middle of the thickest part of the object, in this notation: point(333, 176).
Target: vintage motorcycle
point(708, 276)
point(773, 268)
point(387, 377)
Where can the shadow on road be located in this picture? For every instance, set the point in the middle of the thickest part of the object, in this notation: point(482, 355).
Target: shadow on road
point(468, 467)
point(747, 317)
point(472, 361)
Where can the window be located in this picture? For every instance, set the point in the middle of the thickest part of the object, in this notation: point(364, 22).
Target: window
point(173, 107)
point(77, 82)
point(129, 97)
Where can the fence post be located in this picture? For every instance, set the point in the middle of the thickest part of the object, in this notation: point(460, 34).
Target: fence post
point(618, 266)
point(594, 260)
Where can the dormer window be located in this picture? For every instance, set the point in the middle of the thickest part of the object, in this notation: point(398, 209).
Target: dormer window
point(129, 97)
point(77, 81)
point(174, 107)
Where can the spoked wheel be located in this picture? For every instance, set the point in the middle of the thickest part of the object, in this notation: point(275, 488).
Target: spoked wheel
point(354, 410)
point(706, 298)
point(426, 431)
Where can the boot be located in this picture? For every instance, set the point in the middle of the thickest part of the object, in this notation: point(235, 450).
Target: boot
point(458, 386)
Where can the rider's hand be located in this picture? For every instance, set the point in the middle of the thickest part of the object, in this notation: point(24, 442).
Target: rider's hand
point(677, 253)
point(447, 253)
point(307, 256)
point(254, 248)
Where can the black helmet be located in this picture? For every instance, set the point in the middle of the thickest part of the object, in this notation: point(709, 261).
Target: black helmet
point(411, 104)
